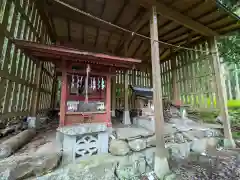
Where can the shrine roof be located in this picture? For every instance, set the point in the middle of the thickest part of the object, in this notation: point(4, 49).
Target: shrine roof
point(142, 92)
point(55, 53)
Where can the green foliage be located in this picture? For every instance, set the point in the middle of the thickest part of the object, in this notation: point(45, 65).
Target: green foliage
point(236, 135)
point(229, 46)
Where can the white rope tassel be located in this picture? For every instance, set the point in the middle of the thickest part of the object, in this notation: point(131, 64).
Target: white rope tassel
point(86, 84)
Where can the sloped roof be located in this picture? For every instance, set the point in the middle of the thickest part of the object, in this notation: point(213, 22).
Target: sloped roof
point(55, 54)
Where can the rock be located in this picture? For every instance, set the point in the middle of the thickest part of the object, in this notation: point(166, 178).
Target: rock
point(179, 151)
point(130, 133)
point(199, 146)
point(6, 174)
point(118, 147)
point(24, 166)
point(151, 141)
point(131, 170)
point(12, 144)
point(137, 144)
point(171, 176)
point(103, 171)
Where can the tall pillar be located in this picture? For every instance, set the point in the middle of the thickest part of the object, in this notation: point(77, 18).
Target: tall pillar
point(64, 92)
point(221, 94)
point(113, 100)
point(36, 95)
point(126, 116)
point(237, 82)
point(161, 166)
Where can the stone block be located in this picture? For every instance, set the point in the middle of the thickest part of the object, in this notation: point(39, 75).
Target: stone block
point(137, 144)
point(119, 147)
point(82, 140)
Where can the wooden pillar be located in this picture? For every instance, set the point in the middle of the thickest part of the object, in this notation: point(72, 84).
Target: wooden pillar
point(36, 96)
point(175, 94)
point(161, 166)
point(126, 116)
point(237, 82)
point(54, 91)
point(64, 92)
point(113, 94)
point(221, 94)
point(108, 103)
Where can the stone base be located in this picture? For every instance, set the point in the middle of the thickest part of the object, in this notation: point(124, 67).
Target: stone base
point(113, 114)
point(36, 122)
point(161, 167)
point(229, 143)
point(82, 140)
point(126, 118)
point(32, 122)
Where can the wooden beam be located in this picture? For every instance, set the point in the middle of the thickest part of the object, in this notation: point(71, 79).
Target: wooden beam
point(222, 99)
point(161, 166)
point(69, 30)
point(57, 9)
point(178, 17)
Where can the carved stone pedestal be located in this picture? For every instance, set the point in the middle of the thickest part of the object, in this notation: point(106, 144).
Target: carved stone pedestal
point(82, 140)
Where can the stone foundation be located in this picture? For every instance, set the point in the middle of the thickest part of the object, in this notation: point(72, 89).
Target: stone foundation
point(81, 141)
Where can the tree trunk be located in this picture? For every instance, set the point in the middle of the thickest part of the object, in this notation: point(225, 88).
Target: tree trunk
point(14, 143)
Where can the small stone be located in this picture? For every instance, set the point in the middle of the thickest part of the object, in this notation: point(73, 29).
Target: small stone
point(130, 133)
point(179, 150)
point(137, 144)
point(151, 141)
point(125, 171)
point(199, 146)
point(118, 147)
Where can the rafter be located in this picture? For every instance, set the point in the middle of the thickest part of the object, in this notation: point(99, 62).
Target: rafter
point(178, 17)
point(137, 25)
point(40, 5)
point(57, 9)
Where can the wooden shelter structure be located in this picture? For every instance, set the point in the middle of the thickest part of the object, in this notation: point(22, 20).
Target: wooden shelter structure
point(150, 30)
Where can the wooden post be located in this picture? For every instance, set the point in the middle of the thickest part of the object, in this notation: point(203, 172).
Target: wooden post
point(221, 94)
point(108, 102)
point(113, 89)
point(161, 166)
point(54, 91)
point(126, 117)
point(175, 94)
point(63, 94)
point(36, 96)
point(237, 81)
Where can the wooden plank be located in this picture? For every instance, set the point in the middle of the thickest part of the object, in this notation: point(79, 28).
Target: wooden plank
point(161, 166)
